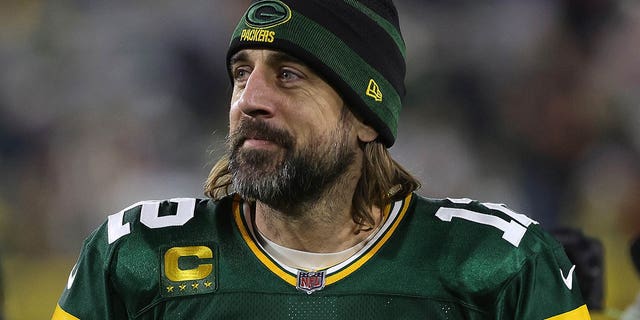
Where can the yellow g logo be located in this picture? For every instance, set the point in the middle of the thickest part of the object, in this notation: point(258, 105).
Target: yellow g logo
point(176, 271)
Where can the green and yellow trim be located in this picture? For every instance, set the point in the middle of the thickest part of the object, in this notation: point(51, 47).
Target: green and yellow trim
point(335, 273)
point(242, 227)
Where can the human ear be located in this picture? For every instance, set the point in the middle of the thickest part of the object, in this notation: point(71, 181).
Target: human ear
point(366, 133)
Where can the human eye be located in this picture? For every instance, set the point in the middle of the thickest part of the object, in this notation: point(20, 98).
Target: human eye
point(240, 74)
point(289, 75)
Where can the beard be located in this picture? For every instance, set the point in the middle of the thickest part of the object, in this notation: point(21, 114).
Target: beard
point(291, 175)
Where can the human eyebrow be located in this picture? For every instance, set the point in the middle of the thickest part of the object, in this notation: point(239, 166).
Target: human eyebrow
point(280, 57)
point(238, 57)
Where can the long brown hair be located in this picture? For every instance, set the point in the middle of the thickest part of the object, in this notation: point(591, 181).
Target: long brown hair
point(383, 180)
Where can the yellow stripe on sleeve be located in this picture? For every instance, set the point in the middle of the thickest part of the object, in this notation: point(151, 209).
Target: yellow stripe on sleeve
point(60, 314)
point(580, 313)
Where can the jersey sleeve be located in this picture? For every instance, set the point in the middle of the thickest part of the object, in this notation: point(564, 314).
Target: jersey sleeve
point(118, 272)
point(545, 288)
point(88, 293)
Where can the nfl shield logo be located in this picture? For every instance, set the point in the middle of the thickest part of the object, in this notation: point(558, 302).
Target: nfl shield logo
point(310, 281)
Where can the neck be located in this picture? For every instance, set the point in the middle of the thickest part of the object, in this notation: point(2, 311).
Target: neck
point(324, 225)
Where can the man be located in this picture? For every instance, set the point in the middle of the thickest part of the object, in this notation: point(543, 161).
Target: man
point(309, 217)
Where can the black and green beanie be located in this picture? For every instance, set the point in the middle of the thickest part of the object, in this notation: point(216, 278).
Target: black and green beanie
point(356, 45)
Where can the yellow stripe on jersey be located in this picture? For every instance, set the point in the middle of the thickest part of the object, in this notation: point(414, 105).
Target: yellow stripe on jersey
point(331, 278)
point(358, 263)
point(60, 314)
point(580, 313)
point(254, 248)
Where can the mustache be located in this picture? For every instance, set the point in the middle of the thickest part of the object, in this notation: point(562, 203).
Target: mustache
point(259, 129)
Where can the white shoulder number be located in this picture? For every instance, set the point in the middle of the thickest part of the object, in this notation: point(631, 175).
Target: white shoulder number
point(513, 230)
point(149, 216)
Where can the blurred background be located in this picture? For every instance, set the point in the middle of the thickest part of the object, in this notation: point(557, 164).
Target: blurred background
point(535, 104)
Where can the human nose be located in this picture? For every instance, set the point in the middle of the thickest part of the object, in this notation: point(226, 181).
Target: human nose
point(258, 97)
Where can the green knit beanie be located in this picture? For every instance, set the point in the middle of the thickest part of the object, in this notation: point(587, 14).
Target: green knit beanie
point(355, 45)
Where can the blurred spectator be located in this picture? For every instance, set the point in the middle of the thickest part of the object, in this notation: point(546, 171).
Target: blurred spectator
point(555, 115)
point(87, 92)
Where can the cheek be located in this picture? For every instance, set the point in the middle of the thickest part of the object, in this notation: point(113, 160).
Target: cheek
point(316, 121)
point(234, 115)
point(330, 131)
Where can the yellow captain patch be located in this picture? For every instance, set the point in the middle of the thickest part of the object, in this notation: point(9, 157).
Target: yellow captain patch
point(171, 263)
point(189, 270)
point(59, 314)
point(580, 313)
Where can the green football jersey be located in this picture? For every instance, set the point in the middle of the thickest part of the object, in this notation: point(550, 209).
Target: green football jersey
point(431, 259)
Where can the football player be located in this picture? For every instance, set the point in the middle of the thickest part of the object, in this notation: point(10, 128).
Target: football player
point(307, 215)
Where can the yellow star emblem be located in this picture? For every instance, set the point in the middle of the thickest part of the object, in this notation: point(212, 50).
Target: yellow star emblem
point(170, 289)
point(195, 285)
point(208, 284)
point(182, 287)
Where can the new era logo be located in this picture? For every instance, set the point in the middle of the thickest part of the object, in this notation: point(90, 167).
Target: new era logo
point(373, 91)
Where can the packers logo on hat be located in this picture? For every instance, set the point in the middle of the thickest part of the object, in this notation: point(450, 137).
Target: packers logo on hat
point(267, 14)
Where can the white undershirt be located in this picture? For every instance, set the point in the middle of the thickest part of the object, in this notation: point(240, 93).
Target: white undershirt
point(310, 261)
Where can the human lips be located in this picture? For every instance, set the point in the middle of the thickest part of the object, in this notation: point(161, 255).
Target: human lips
point(258, 142)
